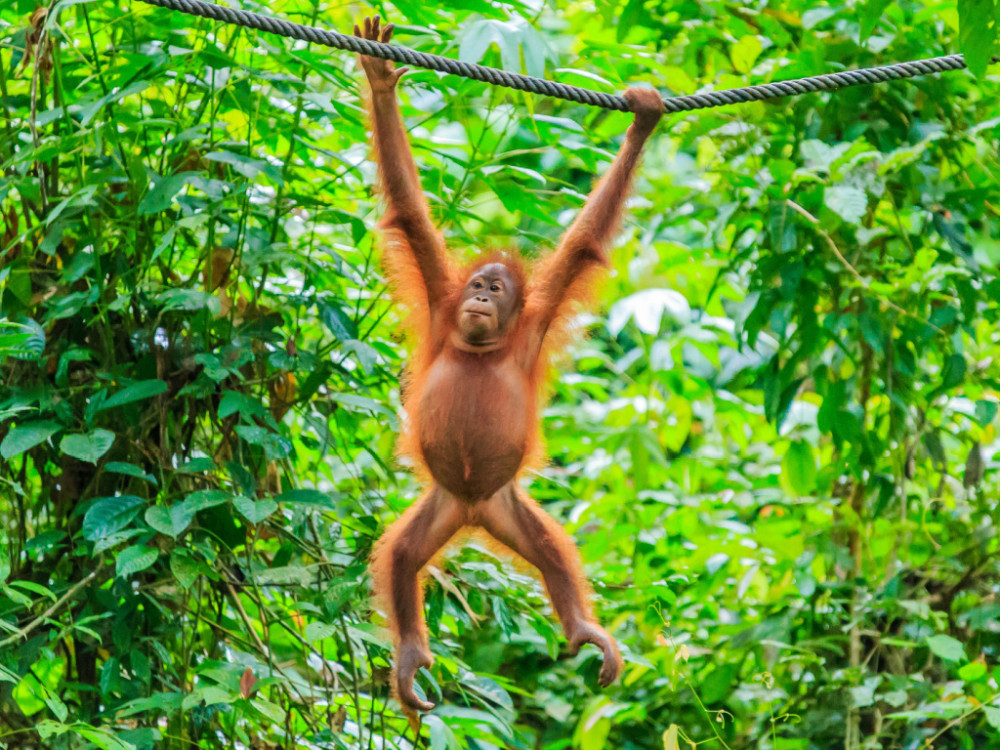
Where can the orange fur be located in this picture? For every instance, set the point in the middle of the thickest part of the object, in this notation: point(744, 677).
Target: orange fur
point(559, 540)
point(476, 379)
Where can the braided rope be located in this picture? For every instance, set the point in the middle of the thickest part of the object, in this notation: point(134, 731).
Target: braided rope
point(399, 54)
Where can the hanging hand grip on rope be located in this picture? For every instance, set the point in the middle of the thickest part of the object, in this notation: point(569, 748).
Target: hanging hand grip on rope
point(400, 54)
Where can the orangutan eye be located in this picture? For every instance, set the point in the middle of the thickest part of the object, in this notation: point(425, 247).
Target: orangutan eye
point(477, 285)
point(495, 288)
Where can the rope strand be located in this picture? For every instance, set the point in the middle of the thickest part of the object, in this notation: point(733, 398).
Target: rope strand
point(407, 56)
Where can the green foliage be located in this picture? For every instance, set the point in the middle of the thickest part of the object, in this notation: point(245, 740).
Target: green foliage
point(777, 447)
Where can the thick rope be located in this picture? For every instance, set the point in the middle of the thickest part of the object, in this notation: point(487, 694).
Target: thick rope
point(399, 54)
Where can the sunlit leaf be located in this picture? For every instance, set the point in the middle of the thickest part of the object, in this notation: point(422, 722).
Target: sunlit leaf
point(745, 52)
point(799, 467)
point(946, 647)
point(978, 33)
point(647, 308)
point(26, 436)
point(847, 202)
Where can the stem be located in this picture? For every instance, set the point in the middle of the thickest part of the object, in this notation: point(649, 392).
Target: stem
point(23, 632)
point(857, 502)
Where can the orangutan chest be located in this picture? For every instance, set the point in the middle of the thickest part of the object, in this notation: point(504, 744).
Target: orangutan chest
point(473, 424)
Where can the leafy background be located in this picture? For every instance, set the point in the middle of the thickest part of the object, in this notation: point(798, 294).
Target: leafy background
point(776, 448)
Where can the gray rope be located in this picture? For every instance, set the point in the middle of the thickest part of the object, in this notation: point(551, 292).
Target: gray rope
point(399, 54)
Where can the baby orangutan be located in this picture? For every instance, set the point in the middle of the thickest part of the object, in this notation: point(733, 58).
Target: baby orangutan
point(483, 335)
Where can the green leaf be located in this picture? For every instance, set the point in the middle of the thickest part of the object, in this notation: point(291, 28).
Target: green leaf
point(849, 203)
point(974, 670)
point(317, 631)
point(254, 511)
point(341, 325)
point(274, 713)
point(932, 442)
point(188, 299)
point(234, 402)
point(89, 446)
point(648, 308)
point(670, 738)
point(274, 445)
point(442, 736)
point(89, 111)
point(986, 412)
point(745, 53)
point(28, 341)
point(197, 465)
point(169, 521)
point(946, 647)
point(35, 588)
point(977, 33)
point(185, 568)
point(26, 436)
point(162, 195)
point(719, 683)
point(114, 540)
point(595, 725)
point(815, 16)
point(533, 51)
point(361, 403)
point(134, 559)
point(306, 496)
point(799, 467)
point(56, 706)
point(135, 392)
point(953, 373)
point(863, 695)
point(110, 514)
point(630, 17)
point(981, 618)
point(121, 467)
point(289, 574)
point(992, 717)
point(847, 426)
point(871, 14)
point(480, 35)
point(205, 499)
point(246, 166)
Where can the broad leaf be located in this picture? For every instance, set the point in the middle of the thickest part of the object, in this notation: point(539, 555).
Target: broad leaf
point(946, 647)
point(110, 514)
point(799, 467)
point(89, 446)
point(169, 521)
point(185, 568)
point(142, 390)
point(134, 559)
point(26, 436)
point(977, 35)
point(254, 511)
point(847, 202)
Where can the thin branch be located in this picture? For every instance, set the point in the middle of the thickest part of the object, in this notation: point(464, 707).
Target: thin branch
point(23, 633)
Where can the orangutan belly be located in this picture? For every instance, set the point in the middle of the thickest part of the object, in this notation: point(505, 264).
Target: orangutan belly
point(473, 423)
